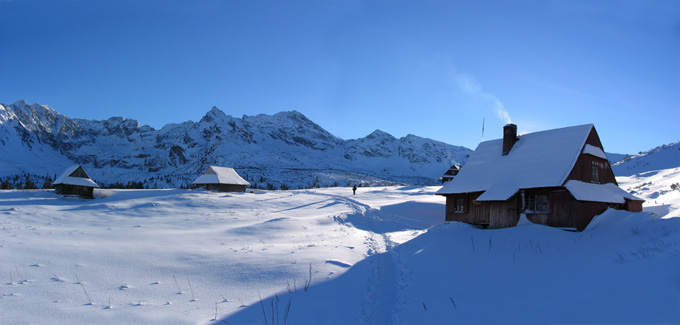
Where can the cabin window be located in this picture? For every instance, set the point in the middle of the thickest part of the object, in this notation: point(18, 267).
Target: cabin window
point(536, 203)
point(595, 178)
point(529, 202)
point(542, 203)
point(459, 204)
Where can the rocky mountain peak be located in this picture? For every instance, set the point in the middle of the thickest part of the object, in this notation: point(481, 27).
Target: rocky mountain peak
point(379, 134)
point(214, 114)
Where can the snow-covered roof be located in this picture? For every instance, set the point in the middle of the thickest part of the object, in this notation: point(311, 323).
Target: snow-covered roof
point(67, 178)
point(609, 193)
point(540, 159)
point(594, 151)
point(220, 175)
point(498, 192)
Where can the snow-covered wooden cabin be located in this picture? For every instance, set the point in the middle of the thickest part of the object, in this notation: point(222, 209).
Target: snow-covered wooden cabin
point(75, 181)
point(222, 179)
point(559, 178)
point(451, 173)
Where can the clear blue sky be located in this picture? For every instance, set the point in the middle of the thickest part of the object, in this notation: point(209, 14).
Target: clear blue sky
point(430, 68)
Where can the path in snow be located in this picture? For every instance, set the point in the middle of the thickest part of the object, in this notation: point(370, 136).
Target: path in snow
point(384, 296)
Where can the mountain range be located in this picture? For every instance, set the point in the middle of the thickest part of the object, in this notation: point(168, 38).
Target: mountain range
point(284, 150)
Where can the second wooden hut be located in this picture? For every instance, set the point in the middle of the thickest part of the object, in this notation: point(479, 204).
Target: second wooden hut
point(223, 179)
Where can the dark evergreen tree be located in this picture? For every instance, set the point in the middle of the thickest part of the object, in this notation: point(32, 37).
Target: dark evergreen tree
point(5, 184)
point(28, 184)
point(48, 182)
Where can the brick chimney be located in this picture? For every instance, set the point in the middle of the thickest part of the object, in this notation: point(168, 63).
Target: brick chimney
point(509, 137)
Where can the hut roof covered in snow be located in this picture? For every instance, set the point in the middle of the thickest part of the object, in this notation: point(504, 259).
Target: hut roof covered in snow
point(75, 175)
point(221, 175)
point(540, 159)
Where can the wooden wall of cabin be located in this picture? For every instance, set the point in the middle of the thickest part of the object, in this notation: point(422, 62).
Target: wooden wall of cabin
point(503, 214)
point(224, 187)
point(85, 192)
point(588, 210)
point(593, 139)
point(633, 206)
point(82, 191)
point(565, 211)
point(448, 212)
point(452, 214)
point(491, 214)
point(582, 170)
point(79, 172)
point(466, 215)
point(562, 209)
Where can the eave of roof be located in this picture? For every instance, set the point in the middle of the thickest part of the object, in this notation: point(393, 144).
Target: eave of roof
point(78, 181)
point(608, 193)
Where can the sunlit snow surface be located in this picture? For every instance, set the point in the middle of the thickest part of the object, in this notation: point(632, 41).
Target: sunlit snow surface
point(382, 256)
point(655, 187)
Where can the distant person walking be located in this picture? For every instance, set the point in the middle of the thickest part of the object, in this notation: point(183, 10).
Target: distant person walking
point(354, 189)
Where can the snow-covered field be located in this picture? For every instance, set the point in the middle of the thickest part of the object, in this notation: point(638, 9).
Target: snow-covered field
point(655, 188)
point(325, 256)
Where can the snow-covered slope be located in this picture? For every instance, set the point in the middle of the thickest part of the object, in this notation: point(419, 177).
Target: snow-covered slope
point(323, 256)
point(659, 188)
point(282, 149)
point(615, 157)
point(661, 157)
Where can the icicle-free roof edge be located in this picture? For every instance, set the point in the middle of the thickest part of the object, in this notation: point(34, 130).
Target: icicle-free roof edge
point(607, 193)
point(498, 193)
point(594, 151)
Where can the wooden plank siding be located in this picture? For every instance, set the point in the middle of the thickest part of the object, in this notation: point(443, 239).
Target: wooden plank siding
point(587, 210)
point(560, 209)
point(633, 206)
point(223, 187)
point(582, 170)
point(79, 172)
point(564, 210)
point(85, 192)
point(486, 214)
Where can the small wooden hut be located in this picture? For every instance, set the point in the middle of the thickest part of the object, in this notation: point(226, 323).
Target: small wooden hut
point(75, 181)
point(221, 179)
point(559, 178)
point(451, 173)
